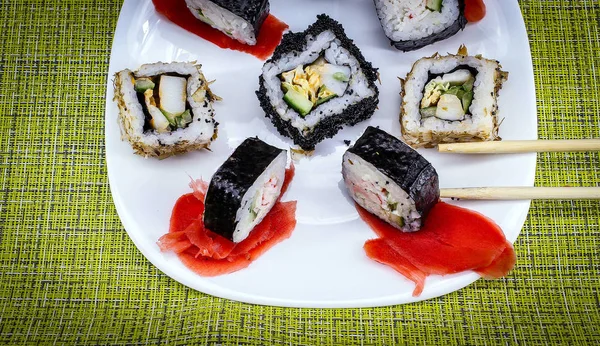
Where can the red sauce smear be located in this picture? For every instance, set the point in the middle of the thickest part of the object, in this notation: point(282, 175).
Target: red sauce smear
point(209, 254)
point(453, 240)
point(474, 10)
point(268, 38)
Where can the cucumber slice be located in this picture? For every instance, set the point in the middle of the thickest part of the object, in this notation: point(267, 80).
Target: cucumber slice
point(298, 102)
point(428, 112)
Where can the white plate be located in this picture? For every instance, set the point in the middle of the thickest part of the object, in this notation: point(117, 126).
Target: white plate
point(323, 264)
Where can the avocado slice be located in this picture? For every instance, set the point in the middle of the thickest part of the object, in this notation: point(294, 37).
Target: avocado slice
point(183, 119)
point(143, 84)
point(340, 76)
point(434, 5)
point(468, 85)
point(455, 90)
point(172, 118)
point(297, 101)
point(466, 100)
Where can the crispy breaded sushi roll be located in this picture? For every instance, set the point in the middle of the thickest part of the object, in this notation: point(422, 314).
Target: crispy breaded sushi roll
point(451, 98)
point(165, 109)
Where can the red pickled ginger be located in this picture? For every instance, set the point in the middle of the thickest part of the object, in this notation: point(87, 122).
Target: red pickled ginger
point(452, 240)
point(268, 38)
point(209, 254)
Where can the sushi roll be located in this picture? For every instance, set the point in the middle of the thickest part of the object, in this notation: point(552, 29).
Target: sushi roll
point(165, 109)
point(451, 98)
point(240, 20)
point(316, 82)
point(390, 179)
point(244, 189)
point(411, 24)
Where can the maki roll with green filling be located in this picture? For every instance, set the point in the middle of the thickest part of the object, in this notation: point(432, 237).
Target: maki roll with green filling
point(316, 82)
point(411, 24)
point(244, 189)
point(240, 20)
point(390, 179)
point(165, 109)
point(451, 98)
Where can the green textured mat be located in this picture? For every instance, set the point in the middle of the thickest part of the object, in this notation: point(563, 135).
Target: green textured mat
point(69, 274)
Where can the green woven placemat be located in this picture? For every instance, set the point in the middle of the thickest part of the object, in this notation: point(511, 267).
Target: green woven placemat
point(69, 274)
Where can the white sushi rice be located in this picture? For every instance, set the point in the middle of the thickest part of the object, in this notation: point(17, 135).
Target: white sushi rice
point(223, 20)
point(404, 20)
point(365, 183)
point(327, 43)
point(480, 125)
point(265, 190)
point(131, 116)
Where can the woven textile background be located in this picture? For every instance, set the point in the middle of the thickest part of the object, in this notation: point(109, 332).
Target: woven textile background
point(69, 274)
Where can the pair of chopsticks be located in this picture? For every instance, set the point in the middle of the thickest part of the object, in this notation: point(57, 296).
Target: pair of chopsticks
point(514, 193)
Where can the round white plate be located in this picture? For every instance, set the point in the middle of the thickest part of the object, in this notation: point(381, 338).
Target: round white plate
point(323, 264)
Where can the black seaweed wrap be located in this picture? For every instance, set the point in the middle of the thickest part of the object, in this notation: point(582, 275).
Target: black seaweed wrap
point(402, 164)
point(232, 180)
point(329, 126)
point(451, 30)
point(253, 11)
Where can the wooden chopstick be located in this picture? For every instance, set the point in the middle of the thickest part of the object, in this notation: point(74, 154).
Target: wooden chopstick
point(507, 147)
point(514, 193)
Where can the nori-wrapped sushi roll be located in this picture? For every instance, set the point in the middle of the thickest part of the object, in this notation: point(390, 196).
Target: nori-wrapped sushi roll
point(244, 189)
point(240, 20)
point(390, 179)
point(451, 98)
point(316, 82)
point(411, 25)
point(165, 109)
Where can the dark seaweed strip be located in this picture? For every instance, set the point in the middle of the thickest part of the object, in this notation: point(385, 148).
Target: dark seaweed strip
point(253, 11)
point(459, 24)
point(431, 76)
point(232, 180)
point(328, 127)
point(147, 116)
point(405, 166)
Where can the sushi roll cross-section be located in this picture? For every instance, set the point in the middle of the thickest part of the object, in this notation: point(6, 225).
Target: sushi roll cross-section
point(240, 20)
point(390, 179)
point(165, 109)
point(244, 189)
point(451, 98)
point(413, 24)
point(316, 82)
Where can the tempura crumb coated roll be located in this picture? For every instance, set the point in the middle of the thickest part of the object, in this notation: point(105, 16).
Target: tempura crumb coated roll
point(165, 109)
point(451, 98)
point(390, 179)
